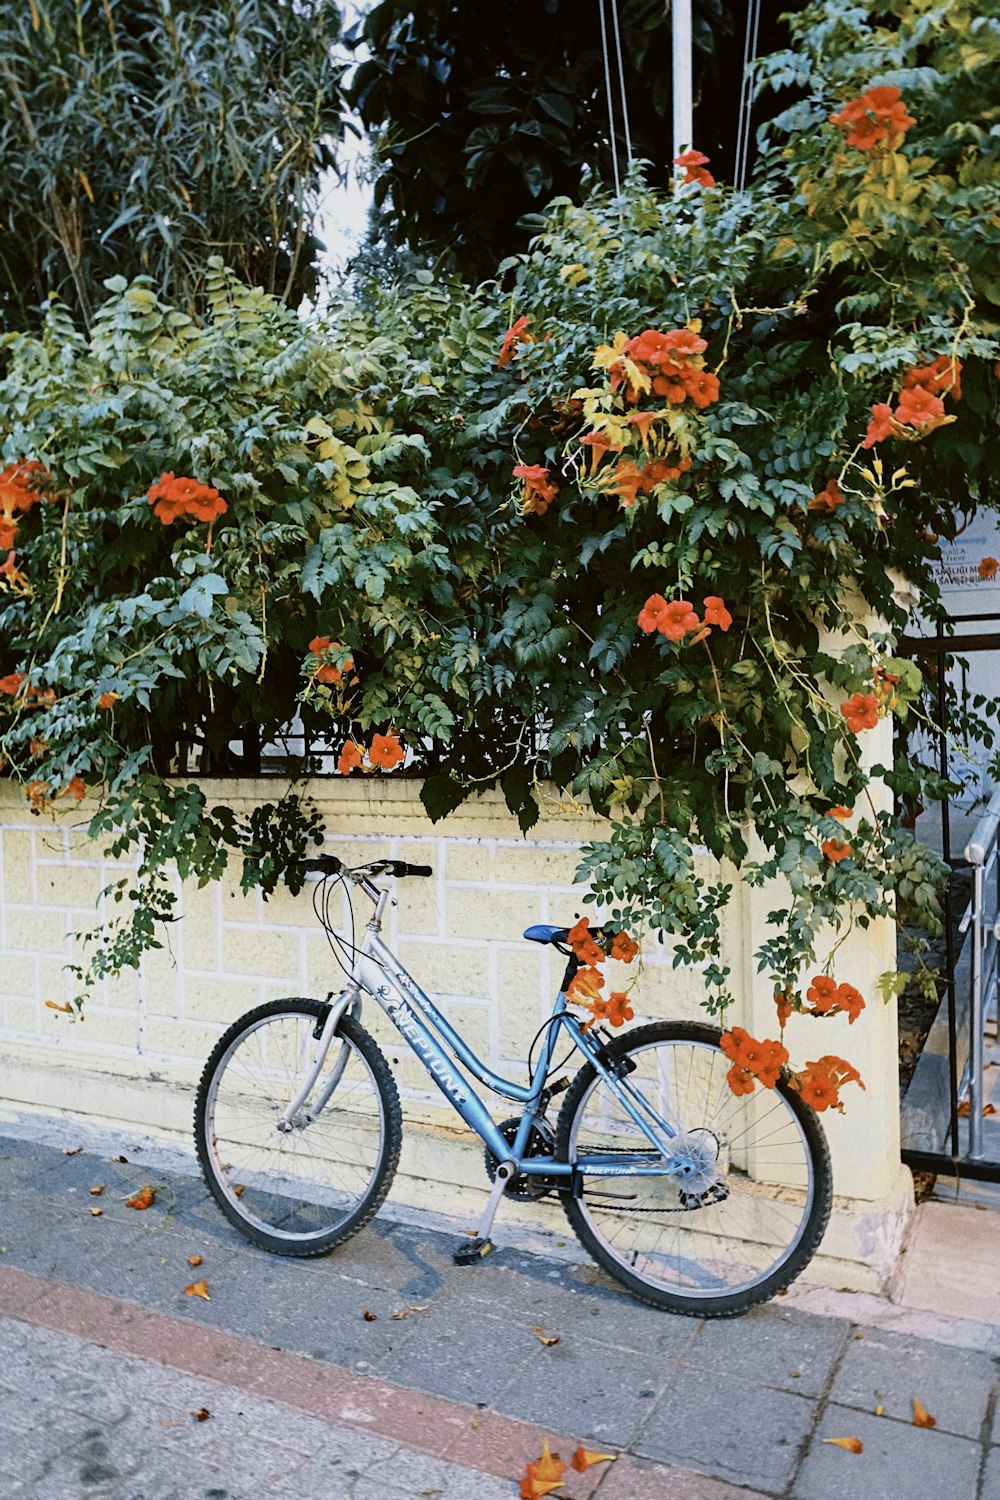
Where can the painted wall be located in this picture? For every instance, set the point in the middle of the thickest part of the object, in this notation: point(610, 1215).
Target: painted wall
point(136, 1056)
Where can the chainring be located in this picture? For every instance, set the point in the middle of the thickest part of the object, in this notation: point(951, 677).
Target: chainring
point(541, 1142)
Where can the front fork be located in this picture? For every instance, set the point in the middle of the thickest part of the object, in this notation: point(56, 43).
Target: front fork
point(290, 1119)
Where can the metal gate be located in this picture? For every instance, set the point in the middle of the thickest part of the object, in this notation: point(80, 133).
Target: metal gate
point(948, 1124)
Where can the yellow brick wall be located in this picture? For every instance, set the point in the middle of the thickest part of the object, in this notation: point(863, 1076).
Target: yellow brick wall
point(137, 1056)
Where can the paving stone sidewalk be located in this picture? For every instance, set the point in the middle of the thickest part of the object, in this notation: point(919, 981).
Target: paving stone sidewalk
point(445, 1389)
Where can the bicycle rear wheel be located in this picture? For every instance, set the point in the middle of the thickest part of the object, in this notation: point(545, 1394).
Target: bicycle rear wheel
point(744, 1224)
point(304, 1190)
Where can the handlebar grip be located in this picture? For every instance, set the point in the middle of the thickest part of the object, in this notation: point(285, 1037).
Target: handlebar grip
point(324, 864)
point(400, 867)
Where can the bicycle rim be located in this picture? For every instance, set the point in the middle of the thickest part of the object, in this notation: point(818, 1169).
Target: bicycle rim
point(709, 1253)
point(304, 1184)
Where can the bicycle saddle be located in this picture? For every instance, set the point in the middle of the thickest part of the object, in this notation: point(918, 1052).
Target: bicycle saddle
point(543, 933)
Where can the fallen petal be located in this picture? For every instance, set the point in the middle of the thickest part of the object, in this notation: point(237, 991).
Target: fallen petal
point(368, 1315)
point(548, 1339)
point(921, 1416)
point(95, 1192)
point(198, 1289)
point(201, 1414)
point(853, 1445)
point(97, 1212)
point(584, 1457)
point(144, 1198)
point(194, 1260)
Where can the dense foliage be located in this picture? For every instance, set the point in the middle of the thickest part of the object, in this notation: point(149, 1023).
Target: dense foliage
point(138, 137)
point(477, 125)
point(634, 517)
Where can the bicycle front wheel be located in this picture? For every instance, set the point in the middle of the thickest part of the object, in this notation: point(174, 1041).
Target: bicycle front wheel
point(299, 1190)
point(753, 1208)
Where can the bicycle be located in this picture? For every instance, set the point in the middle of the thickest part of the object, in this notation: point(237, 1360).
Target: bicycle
point(695, 1199)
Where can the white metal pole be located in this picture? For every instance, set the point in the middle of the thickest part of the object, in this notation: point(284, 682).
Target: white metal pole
point(681, 44)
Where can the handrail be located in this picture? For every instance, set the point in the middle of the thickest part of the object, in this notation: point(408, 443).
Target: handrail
point(979, 851)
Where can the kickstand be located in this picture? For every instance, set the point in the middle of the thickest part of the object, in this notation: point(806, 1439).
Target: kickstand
point(470, 1252)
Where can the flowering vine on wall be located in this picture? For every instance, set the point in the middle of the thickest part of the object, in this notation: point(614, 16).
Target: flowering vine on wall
point(631, 518)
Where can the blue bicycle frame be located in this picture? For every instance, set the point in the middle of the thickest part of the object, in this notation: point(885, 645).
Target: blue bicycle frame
point(378, 972)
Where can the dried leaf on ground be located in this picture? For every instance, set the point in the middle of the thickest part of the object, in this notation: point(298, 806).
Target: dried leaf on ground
point(194, 1260)
point(144, 1198)
point(543, 1476)
point(239, 1189)
point(404, 1312)
point(368, 1315)
point(584, 1458)
point(921, 1416)
point(201, 1414)
point(95, 1192)
point(548, 1339)
point(852, 1445)
point(120, 1158)
point(198, 1289)
point(97, 1212)
point(72, 1150)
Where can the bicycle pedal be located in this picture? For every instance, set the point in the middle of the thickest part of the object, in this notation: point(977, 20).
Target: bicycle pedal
point(471, 1252)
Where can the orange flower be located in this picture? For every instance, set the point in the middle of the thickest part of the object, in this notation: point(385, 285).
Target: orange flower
point(680, 618)
point(860, 711)
point(386, 751)
point(653, 612)
point(751, 1060)
point(942, 377)
point(666, 351)
point(585, 1458)
point(918, 407)
point(828, 498)
point(587, 983)
point(582, 943)
point(543, 1476)
point(11, 684)
point(850, 1001)
point(349, 758)
point(615, 1009)
point(881, 425)
point(716, 613)
point(783, 1004)
point(840, 813)
point(818, 1089)
point(694, 164)
point(598, 444)
point(183, 499)
point(108, 700)
point(835, 850)
point(822, 993)
point(516, 334)
point(989, 567)
point(820, 1082)
point(877, 119)
point(76, 788)
point(319, 644)
point(740, 1081)
point(644, 420)
point(539, 489)
point(703, 387)
point(623, 947)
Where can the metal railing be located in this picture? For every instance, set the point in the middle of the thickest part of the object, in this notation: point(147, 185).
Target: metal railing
point(983, 921)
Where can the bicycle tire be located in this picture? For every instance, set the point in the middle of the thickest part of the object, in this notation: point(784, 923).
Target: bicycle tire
point(598, 1221)
point(315, 1221)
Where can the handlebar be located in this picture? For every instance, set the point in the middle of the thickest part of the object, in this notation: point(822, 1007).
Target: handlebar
point(329, 864)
